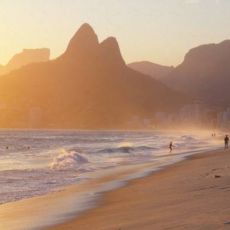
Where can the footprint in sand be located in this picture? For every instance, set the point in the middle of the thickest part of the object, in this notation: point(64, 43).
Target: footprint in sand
point(217, 176)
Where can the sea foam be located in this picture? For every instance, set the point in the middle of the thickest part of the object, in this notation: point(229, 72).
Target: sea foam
point(68, 160)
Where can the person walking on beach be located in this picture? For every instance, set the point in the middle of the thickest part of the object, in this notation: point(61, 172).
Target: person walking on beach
point(171, 146)
point(226, 140)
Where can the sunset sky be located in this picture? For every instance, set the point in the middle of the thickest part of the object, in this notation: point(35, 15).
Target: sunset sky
point(161, 31)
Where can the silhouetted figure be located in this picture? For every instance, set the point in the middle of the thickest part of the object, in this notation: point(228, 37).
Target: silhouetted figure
point(7, 147)
point(226, 140)
point(171, 146)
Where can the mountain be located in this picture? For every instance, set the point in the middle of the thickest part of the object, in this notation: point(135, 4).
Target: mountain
point(154, 70)
point(205, 74)
point(27, 56)
point(88, 87)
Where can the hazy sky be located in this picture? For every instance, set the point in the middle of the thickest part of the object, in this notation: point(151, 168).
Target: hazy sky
point(161, 31)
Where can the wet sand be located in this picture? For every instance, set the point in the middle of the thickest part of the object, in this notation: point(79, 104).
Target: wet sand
point(193, 194)
point(58, 207)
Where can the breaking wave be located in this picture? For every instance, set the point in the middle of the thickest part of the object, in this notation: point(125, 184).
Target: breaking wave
point(125, 147)
point(68, 160)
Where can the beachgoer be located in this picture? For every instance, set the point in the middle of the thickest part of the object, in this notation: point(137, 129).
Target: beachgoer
point(171, 146)
point(226, 140)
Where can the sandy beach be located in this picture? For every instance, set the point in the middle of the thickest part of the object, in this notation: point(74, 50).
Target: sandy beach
point(193, 194)
point(115, 115)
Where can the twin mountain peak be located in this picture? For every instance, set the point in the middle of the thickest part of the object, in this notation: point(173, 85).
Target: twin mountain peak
point(88, 87)
point(85, 46)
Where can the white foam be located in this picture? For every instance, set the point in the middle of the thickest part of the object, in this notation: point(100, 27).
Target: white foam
point(47, 167)
point(68, 160)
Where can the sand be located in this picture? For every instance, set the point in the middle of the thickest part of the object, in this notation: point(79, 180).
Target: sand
point(193, 194)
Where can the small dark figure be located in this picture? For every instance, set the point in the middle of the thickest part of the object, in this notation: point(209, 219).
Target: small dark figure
point(171, 146)
point(7, 147)
point(226, 140)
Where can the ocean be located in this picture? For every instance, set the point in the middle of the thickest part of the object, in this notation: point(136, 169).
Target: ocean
point(34, 163)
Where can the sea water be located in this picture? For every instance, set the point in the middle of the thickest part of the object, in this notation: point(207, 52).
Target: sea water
point(34, 163)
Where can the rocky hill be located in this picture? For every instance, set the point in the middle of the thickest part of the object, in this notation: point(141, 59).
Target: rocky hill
point(88, 87)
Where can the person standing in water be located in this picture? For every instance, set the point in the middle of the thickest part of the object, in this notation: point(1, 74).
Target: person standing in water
point(226, 140)
point(171, 146)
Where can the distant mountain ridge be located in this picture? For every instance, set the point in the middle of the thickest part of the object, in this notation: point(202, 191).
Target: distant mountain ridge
point(27, 56)
point(154, 70)
point(204, 73)
point(87, 87)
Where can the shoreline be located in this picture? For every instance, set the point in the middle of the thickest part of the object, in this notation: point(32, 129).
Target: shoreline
point(45, 209)
point(60, 200)
point(125, 209)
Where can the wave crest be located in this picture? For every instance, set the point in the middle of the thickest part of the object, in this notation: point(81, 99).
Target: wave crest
point(68, 160)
